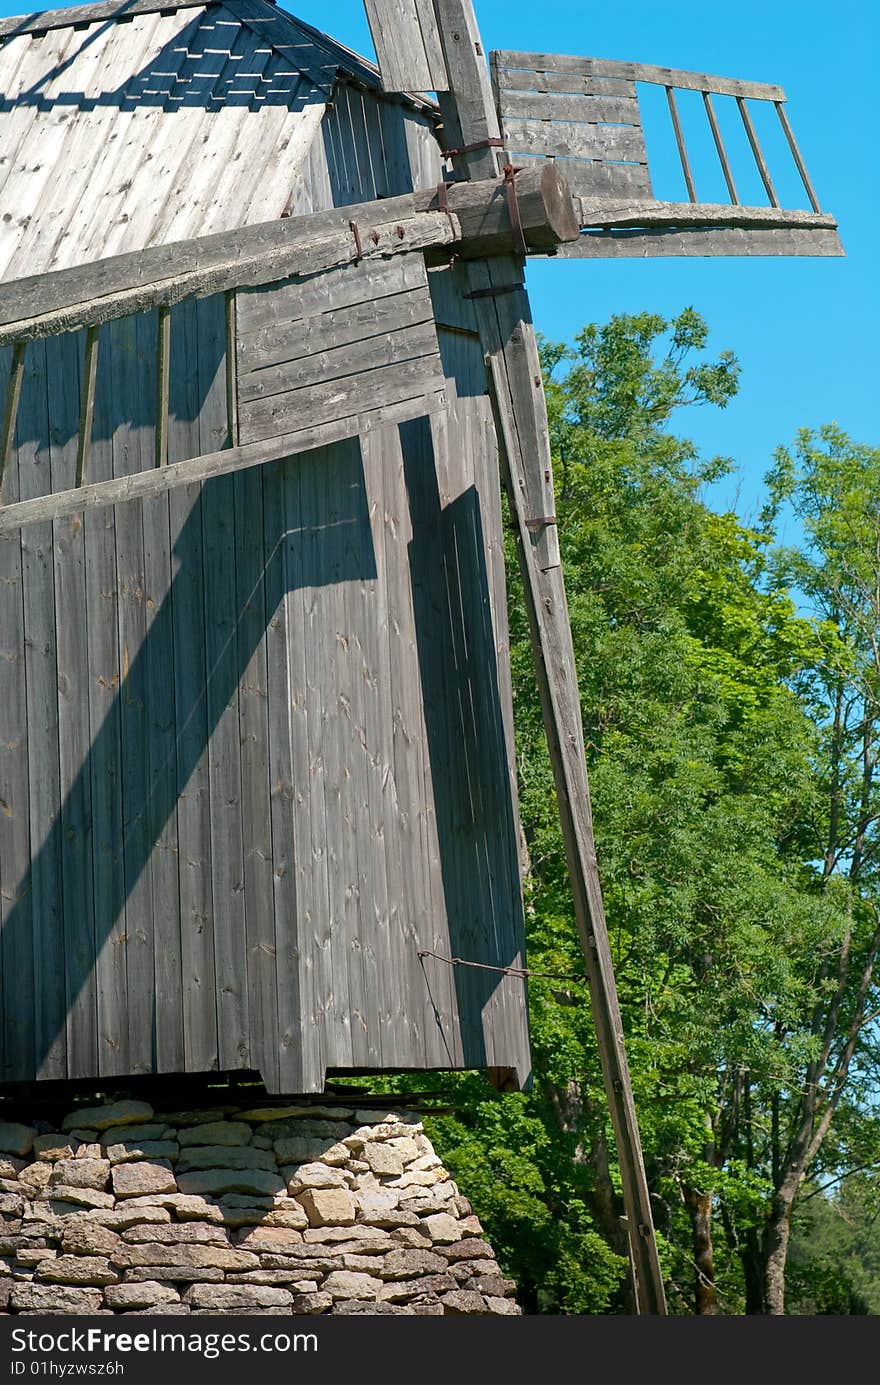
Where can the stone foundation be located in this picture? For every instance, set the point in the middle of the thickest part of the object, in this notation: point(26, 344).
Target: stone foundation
point(271, 1210)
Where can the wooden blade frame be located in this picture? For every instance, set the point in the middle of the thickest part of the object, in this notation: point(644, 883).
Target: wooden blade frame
point(514, 373)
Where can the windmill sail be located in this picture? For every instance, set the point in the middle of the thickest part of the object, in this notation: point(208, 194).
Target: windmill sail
point(586, 114)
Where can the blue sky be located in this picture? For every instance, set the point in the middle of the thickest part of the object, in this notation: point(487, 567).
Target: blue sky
point(804, 330)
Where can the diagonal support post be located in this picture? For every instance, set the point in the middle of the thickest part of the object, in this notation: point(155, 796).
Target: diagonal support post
point(513, 370)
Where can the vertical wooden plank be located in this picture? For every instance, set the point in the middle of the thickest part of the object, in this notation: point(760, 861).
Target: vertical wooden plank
point(309, 730)
point(105, 729)
point(223, 671)
point(65, 362)
point(756, 150)
point(231, 370)
point(16, 895)
point(10, 410)
point(42, 725)
point(719, 145)
point(81, 475)
point(193, 786)
point(132, 448)
point(278, 479)
point(256, 822)
point(160, 682)
point(679, 140)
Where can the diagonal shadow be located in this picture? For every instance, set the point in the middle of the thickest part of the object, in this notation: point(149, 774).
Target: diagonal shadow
point(290, 557)
point(475, 818)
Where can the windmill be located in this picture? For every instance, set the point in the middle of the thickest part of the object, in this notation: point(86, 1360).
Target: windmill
point(313, 328)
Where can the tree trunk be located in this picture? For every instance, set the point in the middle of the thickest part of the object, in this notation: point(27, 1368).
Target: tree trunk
point(776, 1239)
point(699, 1206)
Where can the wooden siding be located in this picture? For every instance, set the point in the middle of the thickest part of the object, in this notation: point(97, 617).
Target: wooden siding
point(256, 746)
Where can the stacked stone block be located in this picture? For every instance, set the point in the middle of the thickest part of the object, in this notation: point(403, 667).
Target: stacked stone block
point(276, 1209)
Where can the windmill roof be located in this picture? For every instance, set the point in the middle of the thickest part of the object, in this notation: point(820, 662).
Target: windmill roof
point(140, 123)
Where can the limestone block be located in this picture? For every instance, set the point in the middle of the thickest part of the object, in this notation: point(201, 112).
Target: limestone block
point(463, 1301)
point(52, 1147)
point(81, 1173)
point(443, 1228)
point(143, 1178)
point(315, 1175)
point(149, 1294)
point(328, 1206)
point(85, 1237)
point(177, 1233)
point(16, 1139)
point(220, 1180)
point(383, 1160)
point(54, 1298)
point(237, 1297)
point(224, 1157)
point(129, 1149)
point(350, 1284)
point(229, 1133)
point(67, 1193)
point(102, 1117)
point(404, 1264)
point(77, 1269)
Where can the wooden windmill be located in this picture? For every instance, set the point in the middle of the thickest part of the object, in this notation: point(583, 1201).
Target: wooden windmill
point(263, 334)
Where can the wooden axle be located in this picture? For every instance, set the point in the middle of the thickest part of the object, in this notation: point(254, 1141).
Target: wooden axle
point(476, 218)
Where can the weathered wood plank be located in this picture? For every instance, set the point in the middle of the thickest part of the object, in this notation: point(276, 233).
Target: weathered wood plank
point(191, 714)
point(132, 451)
point(467, 109)
point(603, 179)
point(100, 12)
point(278, 307)
point(16, 895)
point(336, 400)
point(796, 155)
point(509, 80)
point(105, 728)
point(163, 372)
point(315, 337)
point(223, 672)
point(339, 366)
point(157, 653)
point(628, 213)
point(596, 110)
point(279, 479)
point(703, 241)
point(256, 824)
point(636, 72)
point(176, 474)
point(407, 44)
point(567, 140)
point(40, 658)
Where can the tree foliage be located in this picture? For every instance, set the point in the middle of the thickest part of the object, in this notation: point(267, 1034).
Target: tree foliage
point(730, 691)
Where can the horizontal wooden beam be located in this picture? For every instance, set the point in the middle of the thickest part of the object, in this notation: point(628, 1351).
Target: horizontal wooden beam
point(145, 485)
point(91, 14)
point(606, 212)
point(650, 242)
point(636, 72)
point(476, 218)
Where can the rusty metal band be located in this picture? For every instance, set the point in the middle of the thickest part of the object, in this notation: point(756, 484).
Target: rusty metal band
point(353, 227)
point(493, 290)
point(540, 522)
point(443, 206)
point(519, 235)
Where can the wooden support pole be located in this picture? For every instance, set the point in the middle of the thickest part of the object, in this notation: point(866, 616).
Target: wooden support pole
point(514, 373)
point(682, 147)
point(756, 150)
point(231, 370)
point(10, 410)
point(796, 155)
point(719, 145)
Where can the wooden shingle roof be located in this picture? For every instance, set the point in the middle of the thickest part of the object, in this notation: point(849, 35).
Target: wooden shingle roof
point(135, 124)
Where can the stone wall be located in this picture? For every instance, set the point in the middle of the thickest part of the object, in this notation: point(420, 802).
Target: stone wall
point(271, 1210)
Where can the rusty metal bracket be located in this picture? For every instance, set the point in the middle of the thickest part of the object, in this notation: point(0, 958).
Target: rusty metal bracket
point(443, 206)
point(353, 227)
point(493, 142)
point(519, 235)
point(539, 522)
